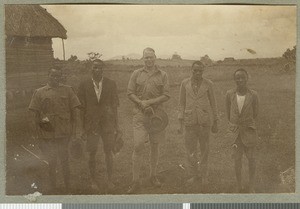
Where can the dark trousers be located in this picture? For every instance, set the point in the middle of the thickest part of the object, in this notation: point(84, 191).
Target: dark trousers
point(92, 147)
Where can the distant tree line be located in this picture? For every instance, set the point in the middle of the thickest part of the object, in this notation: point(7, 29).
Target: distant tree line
point(290, 55)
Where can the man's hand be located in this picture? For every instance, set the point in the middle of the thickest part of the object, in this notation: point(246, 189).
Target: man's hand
point(214, 128)
point(144, 104)
point(232, 127)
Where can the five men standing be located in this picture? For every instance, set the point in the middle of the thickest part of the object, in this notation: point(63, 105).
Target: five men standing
point(55, 107)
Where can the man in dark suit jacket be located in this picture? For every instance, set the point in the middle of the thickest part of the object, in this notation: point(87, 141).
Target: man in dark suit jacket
point(99, 99)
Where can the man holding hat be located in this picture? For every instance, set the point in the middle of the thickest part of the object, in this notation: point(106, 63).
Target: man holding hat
point(148, 88)
point(196, 98)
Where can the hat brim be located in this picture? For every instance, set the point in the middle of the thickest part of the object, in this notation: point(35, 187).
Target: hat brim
point(158, 122)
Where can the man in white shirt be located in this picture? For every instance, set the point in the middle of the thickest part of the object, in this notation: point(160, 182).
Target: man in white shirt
point(98, 87)
point(240, 101)
point(242, 111)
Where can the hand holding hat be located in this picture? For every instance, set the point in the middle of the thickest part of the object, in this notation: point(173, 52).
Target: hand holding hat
point(45, 124)
point(157, 120)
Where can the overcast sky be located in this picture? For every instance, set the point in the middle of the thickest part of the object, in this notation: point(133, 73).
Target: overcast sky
point(191, 31)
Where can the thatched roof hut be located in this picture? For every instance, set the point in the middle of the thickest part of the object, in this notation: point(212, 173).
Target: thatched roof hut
point(229, 59)
point(31, 21)
point(29, 30)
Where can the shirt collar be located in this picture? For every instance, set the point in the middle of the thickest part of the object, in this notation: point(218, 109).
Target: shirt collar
point(100, 82)
point(195, 81)
point(156, 69)
point(50, 87)
point(247, 91)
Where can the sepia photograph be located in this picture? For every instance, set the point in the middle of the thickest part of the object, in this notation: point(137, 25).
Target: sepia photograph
point(105, 99)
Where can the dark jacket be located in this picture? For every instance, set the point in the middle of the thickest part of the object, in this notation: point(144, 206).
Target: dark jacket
point(98, 116)
point(243, 123)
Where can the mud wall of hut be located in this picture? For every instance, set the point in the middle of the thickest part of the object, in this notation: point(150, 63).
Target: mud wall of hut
point(27, 63)
point(26, 60)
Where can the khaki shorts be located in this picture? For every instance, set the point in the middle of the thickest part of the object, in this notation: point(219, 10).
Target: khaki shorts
point(141, 135)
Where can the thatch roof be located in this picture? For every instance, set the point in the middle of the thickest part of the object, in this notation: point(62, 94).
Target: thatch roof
point(31, 21)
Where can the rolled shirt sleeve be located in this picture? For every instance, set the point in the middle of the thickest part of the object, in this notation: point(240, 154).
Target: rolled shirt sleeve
point(131, 88)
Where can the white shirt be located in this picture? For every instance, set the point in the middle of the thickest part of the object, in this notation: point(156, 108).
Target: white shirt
point(98, 90)
point(240, 101)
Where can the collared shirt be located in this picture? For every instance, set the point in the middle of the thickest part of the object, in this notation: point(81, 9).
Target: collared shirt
point(99, 116)
point(242, 123)
point(240, 102)
point(248, 112)
point(195, 85)
point(56, 104)
point(148, 84)
point(98, 88)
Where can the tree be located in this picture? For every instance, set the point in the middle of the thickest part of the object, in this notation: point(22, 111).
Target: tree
point(290, 55)
point(175, 56)
point(94, 55)
point(206, 60)
point(73, 58)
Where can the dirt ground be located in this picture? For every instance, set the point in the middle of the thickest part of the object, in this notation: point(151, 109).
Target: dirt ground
point(275, 151)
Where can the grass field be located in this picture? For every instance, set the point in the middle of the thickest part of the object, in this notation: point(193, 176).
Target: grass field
point(275, 150)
